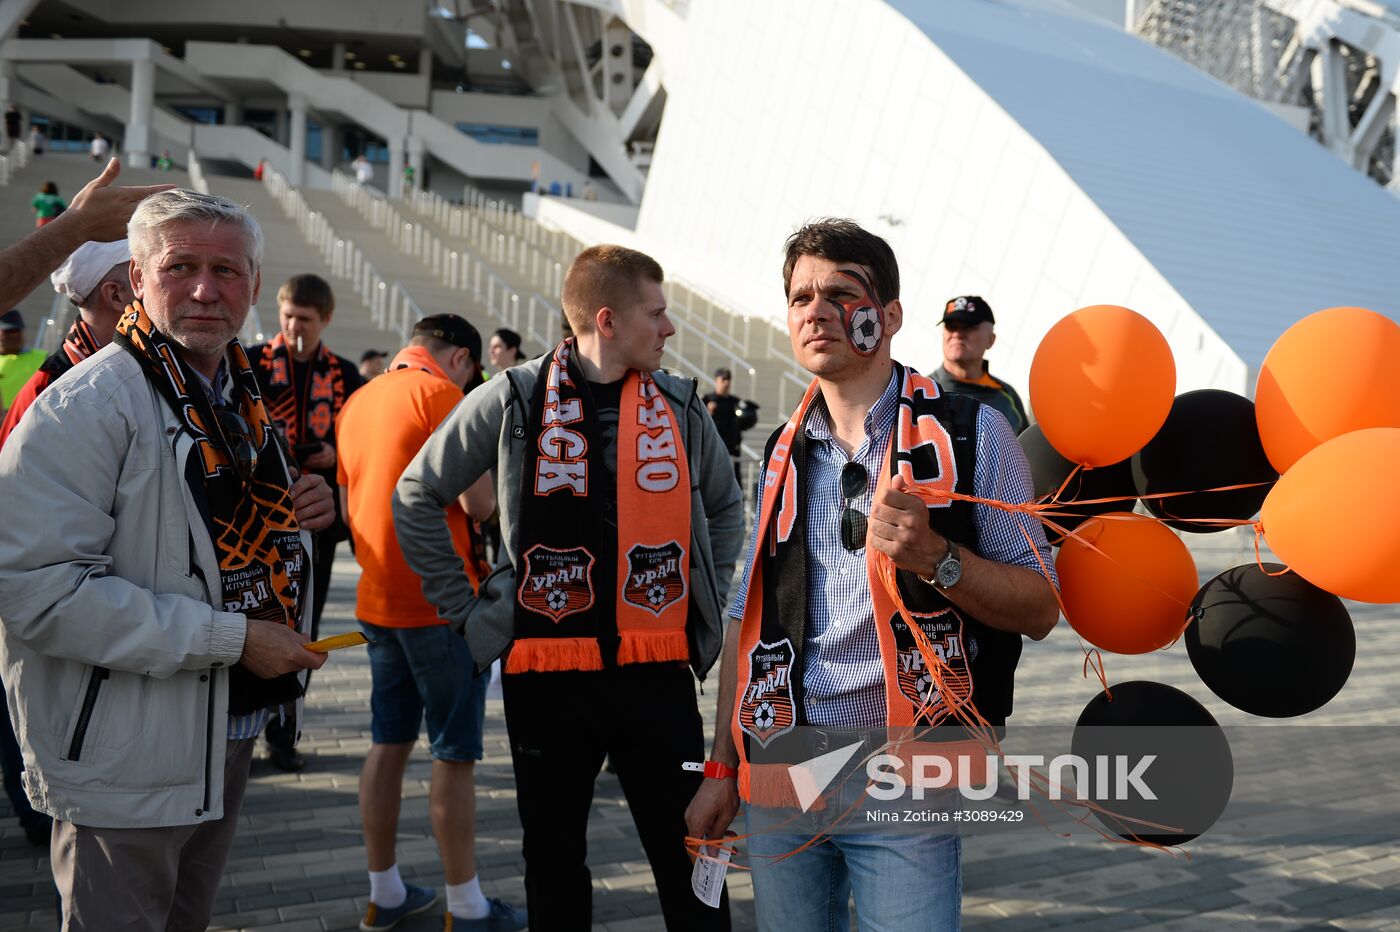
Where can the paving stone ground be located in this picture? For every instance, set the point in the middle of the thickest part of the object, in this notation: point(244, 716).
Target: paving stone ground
point(298, 862)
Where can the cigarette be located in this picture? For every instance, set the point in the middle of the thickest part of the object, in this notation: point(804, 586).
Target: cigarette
point(300, 348)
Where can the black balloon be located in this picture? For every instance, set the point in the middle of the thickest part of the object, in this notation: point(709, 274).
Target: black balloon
point(1192, 771)
point(1048, 473)
point(1270, 645)
point(1210, 440)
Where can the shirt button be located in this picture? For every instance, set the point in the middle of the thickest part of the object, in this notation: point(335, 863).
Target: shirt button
point(826, 664)
point(845, 570)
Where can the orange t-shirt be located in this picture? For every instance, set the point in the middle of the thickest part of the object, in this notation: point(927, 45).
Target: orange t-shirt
point(380, 431)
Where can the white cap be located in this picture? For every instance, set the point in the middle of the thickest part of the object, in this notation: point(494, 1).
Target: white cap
point(88, 265)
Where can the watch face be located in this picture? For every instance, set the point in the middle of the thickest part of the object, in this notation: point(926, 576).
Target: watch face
point(949, 572)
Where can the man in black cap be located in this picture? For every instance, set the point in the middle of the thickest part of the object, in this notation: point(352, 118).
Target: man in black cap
point(732, 415)
point(967, 335)
point(373, 363)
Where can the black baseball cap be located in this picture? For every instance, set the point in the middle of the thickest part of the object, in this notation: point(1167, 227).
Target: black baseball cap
point(968, 309)
point(12, 320)
point(451, 329)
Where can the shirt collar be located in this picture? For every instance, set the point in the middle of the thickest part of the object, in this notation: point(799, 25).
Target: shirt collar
point(216, 386)
point(880, 416)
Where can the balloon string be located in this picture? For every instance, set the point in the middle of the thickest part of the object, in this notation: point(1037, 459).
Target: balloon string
point(1259, 559)
point(1064, 485)
point(1094, 658)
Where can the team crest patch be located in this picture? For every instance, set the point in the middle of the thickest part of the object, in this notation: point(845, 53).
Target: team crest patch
point(654, 579)
point(916, 682)
point(557, 583)
point(766, 710)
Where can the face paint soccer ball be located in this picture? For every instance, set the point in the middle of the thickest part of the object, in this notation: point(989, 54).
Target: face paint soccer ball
point(557, 599)
point(866, 330)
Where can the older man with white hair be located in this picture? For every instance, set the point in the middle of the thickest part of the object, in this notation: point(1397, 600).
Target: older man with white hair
point(154, 604)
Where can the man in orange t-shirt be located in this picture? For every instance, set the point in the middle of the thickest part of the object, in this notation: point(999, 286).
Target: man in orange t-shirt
point(419, 667)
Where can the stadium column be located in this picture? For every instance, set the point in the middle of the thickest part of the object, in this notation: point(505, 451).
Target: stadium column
point(296, 105)
point(395, 167)
point(415, 158)
point(7, 83)
point(143, 99)
point(330, 144)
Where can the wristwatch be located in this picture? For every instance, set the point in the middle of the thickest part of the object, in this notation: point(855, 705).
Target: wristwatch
point(947, 571)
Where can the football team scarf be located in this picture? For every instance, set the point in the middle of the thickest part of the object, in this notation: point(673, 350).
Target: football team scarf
point(307, 411)
point(78, 345)
point(581, 594)
point(262, 564)
point(768, 701)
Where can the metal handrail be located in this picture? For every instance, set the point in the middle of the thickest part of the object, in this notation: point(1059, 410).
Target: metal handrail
point(390, 304)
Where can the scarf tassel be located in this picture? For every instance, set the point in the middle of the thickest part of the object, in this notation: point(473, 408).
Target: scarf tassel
point(770, 786)
point(652, 646)
point(551, 655)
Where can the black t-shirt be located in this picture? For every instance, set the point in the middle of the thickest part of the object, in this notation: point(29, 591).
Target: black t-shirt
point(607, 398)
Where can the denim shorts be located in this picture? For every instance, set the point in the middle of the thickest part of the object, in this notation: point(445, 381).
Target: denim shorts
point(426, 673)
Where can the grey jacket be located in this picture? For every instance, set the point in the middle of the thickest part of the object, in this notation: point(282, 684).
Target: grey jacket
point(113, 648)
point(486, 431)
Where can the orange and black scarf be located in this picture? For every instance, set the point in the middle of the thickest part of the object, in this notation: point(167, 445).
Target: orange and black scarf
point(78, 345)
point(584, 598)
point(769, 698)
point(305, 412)
point(246, 499)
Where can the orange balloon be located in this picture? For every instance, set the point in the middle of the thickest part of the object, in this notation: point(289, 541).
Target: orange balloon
point(1298, 406)
point(1135, 595)
point(1334, 518)
point(1102, 383)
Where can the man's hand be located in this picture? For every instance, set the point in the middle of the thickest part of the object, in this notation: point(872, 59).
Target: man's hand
point(323, 458)
point(272, 649)
point(312, 502)
point(101, 211)
point(713, 807)
point(711, 406)
point(899, 527)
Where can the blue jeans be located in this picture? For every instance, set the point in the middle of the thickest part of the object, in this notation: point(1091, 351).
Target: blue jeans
point(427, 672)
point(901, 882)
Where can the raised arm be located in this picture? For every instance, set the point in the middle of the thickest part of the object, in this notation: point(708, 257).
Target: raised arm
point(98, 212)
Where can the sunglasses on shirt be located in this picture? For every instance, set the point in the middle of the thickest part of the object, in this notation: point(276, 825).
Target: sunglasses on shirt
point(854, 481)
point(238, 440)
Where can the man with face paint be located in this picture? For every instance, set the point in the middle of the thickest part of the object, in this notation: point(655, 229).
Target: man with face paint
point(967, 335)
point(837, 489)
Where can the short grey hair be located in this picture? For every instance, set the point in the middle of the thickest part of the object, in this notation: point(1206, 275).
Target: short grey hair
point(180, 206)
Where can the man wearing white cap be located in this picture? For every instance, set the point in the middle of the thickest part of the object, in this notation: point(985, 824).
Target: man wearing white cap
point(95, 281)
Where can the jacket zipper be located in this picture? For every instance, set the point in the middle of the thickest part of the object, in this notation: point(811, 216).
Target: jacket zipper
point(208, 741)
point(99, 674)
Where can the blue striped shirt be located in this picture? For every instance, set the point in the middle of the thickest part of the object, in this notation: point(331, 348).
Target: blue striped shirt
point(251, 724)
point(842, 673)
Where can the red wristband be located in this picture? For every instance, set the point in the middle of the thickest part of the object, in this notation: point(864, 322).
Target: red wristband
point(712, 769)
